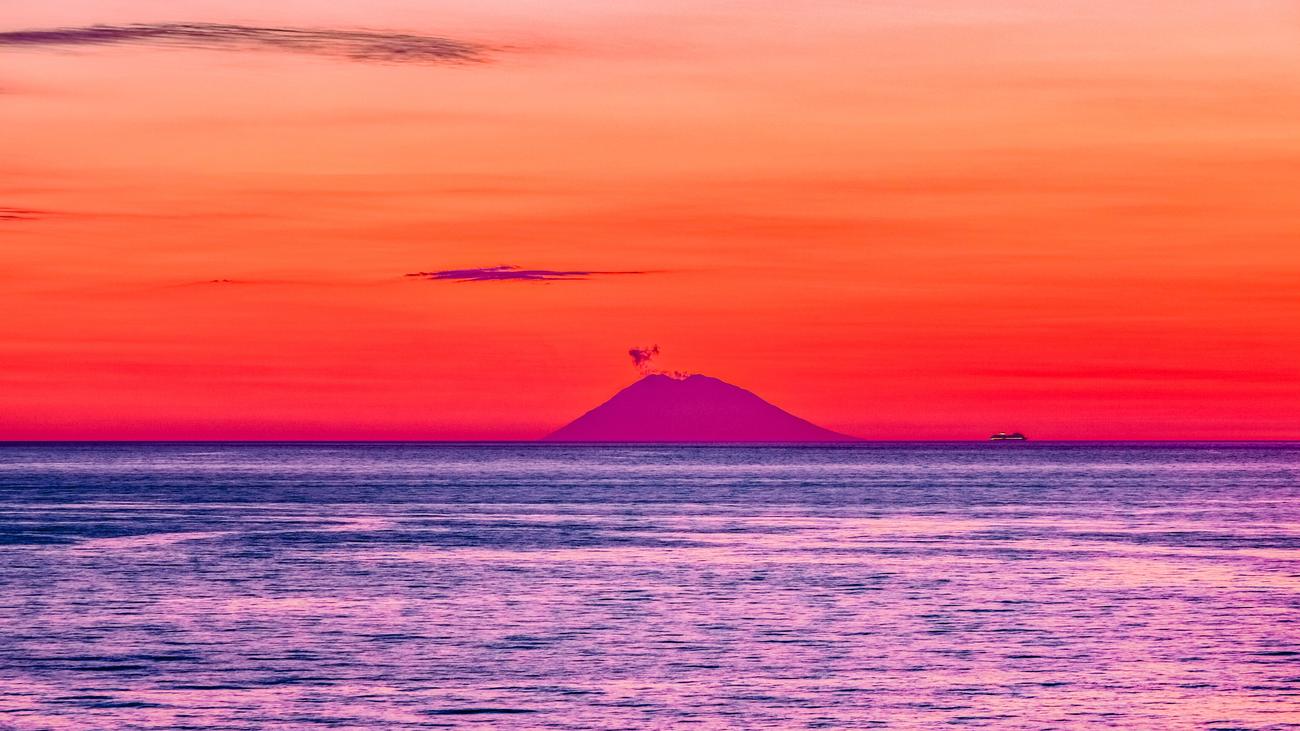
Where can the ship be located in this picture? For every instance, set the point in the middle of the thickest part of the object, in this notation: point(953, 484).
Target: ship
point(1005, 437)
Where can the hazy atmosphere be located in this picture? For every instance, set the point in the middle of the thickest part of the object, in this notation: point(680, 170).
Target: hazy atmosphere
point(449, 220)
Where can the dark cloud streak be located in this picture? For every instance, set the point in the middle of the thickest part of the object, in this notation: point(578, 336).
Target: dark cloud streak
point(20, 214)
point(511, 274)
point(354, 45)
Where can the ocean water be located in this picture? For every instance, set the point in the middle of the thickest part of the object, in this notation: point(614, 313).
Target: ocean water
point(412, 586)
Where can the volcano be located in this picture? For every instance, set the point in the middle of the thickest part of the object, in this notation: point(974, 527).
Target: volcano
point(697, 408)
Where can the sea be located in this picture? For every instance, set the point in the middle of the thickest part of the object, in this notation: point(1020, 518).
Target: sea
point(1004, 585)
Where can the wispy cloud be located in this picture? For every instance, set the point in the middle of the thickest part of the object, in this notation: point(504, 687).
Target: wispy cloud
point(507, 273)
point(20, 214)
point(252, 283)
point(355, 45)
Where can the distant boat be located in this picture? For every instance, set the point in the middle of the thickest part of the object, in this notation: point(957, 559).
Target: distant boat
point(1005, 437)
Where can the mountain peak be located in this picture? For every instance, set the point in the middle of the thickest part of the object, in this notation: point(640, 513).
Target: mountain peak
point(690, 408)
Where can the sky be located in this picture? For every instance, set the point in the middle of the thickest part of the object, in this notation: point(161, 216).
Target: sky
point(427, 219)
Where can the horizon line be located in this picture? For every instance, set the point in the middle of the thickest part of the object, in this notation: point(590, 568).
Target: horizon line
point(545, 443)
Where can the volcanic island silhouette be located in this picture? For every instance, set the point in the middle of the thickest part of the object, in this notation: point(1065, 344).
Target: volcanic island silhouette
point(692, 408)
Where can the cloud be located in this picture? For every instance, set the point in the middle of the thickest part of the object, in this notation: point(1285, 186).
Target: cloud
point(355, 45)
point(20, 214)
point(510, 274)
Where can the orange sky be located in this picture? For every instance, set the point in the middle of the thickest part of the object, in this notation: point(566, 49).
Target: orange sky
point(909, 220)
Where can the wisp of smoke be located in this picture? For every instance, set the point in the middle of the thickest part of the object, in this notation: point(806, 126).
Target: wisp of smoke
point(641, 356)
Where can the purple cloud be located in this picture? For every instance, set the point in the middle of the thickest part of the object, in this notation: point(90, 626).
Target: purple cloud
point(354, 45)
point(510, 274)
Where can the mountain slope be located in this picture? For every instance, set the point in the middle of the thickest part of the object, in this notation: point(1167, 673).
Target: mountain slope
point(698, 408)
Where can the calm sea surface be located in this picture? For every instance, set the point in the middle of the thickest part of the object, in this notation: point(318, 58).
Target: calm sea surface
point(408, 586)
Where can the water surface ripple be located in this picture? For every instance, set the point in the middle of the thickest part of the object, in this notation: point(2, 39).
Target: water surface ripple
point(411, 586)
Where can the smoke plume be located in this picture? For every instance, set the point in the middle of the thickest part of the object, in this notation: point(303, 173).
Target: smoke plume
point(641, 357)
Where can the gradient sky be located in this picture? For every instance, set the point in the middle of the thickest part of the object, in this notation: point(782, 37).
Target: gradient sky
point(924, 219)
